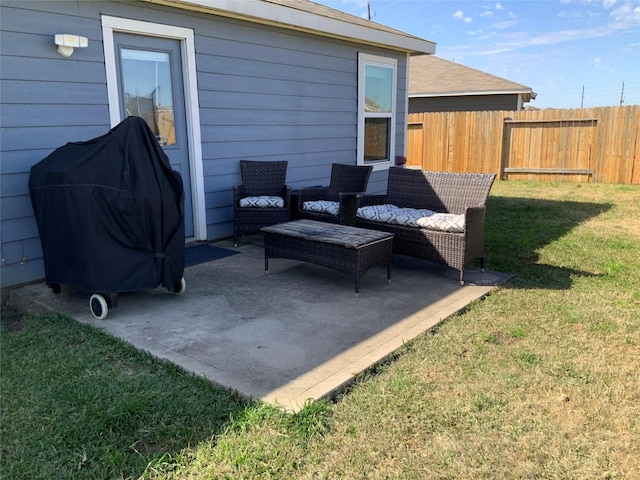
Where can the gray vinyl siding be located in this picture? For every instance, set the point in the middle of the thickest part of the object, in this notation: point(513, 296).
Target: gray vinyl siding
point(264, 93)
point(275, 95)
point(46, 101)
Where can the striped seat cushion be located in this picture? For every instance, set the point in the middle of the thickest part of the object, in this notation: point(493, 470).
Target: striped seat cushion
point(412, 217)
point(263, 201)
point(322, 206)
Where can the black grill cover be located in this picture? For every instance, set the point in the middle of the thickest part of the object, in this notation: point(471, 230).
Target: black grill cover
point(110, 212)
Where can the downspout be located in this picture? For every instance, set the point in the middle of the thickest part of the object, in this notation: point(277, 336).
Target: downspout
point(401, 160)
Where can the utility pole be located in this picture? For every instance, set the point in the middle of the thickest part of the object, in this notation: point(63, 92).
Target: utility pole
point(582, 101)
point(369, 11)
point(622, 95)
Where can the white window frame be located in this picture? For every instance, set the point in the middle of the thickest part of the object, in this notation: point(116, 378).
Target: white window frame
point(364, 60)
point(187, 43)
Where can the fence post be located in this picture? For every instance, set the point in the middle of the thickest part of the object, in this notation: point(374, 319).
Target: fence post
point(505, 147)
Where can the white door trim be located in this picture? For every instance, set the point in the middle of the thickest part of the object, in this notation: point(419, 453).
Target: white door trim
point(186, 38)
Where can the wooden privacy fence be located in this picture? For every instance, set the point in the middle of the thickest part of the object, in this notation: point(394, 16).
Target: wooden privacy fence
point(581, 145)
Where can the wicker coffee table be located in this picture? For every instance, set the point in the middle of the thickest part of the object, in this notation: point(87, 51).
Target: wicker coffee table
point(349, 250)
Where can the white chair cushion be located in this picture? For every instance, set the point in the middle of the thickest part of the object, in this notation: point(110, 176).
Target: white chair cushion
point(412, 217)
point(446, 222)
point(322, 206)
point(263, 201)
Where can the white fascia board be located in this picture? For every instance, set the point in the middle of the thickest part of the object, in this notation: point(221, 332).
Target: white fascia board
point(290, 18)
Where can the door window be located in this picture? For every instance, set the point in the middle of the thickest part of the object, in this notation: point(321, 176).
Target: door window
point(146, 78)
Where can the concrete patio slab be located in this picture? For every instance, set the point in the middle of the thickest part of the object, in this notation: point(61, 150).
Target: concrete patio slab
point(298, 333)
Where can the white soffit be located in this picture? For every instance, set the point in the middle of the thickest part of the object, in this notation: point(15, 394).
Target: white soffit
point(267, 13)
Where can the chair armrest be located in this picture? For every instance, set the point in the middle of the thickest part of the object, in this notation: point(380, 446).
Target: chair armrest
point(348, 208)
point(474, 219)
point(286, 194)
point(238, 192)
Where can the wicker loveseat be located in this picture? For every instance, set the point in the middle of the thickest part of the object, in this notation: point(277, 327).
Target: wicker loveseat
point(437, 216)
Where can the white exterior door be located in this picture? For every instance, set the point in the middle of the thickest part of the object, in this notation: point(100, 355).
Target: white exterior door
point(151, 74)
point(149, 71)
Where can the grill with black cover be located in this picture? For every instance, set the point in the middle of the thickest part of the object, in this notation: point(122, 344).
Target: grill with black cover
point(110, 213)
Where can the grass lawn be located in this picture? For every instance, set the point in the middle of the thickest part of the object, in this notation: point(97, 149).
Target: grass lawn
point(540, 380)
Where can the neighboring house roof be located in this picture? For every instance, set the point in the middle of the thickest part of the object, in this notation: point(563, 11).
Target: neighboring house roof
point(307, 16)
point(430, 76)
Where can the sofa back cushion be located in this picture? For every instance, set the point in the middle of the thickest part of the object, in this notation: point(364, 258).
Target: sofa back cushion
point(445, 192)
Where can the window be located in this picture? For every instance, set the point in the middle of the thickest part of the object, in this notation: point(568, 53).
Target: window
point(146, 78)
point(376, 110)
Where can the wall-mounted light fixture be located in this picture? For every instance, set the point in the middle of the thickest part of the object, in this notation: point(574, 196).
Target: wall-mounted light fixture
point(67, 42)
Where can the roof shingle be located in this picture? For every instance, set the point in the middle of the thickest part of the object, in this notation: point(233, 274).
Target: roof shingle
point(433, 76)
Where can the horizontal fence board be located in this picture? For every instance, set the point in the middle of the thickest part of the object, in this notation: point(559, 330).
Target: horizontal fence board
point(579, 145)
point(550, 120)
point(563, 171)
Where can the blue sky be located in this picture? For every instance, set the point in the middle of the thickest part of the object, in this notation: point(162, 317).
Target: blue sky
point(556, 47)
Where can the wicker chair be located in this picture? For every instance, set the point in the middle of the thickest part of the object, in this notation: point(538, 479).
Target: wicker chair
point(337, 202)
point(445, 192)
point(263, 199)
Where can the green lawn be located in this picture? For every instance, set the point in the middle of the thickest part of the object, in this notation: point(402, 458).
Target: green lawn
point(540, 380)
